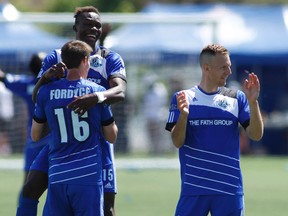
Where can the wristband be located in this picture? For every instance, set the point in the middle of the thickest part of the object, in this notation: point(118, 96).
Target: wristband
point(100, 96)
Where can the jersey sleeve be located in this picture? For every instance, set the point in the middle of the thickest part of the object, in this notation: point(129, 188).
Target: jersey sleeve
point(244, 110)
point(106, 111)
point(107, 116)
point(173, 114)
point(19, 84)
point(115, 66)
point(39, 112)
point(49, 61)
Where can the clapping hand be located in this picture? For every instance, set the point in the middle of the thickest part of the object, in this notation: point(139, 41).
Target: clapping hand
point(251, 87)
point(182, 103)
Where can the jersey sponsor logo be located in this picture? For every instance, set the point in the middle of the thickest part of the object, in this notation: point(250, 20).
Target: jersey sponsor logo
point(210, 122)
point(56, 94)
point(95, 80)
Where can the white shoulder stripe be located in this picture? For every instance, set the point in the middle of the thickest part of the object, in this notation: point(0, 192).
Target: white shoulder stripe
point(171, 117)
point(58, 53)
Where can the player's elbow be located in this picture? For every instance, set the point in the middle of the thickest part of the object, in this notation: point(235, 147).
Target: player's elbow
point(121, 95)
point(256, 137)
point(36, 131)
point(255, 134)
point(35, 137)
point(177, 142)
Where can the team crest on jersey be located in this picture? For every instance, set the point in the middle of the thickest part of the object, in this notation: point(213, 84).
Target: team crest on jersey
point(223, 103)
point(96, 61)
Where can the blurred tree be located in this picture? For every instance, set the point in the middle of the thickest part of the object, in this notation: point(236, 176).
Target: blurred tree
point(102, 5)
point(113, 5)
point(69, 6)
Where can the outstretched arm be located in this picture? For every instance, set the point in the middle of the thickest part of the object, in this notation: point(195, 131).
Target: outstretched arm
point(56, 72)
point(113, 95)
point(251, 89)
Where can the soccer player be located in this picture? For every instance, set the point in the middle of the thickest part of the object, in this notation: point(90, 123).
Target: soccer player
point(203, 121)
point(107, 69)
point(22, 85)
point(75, 162)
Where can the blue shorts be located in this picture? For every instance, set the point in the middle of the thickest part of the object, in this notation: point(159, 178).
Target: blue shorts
point(41, 161)
point(32, 149)
point(109, 179)
point(217, 205)
point(69, 199)
point(109, 172)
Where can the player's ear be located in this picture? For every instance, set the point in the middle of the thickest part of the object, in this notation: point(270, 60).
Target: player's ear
point(206, 67)
point(74, 28)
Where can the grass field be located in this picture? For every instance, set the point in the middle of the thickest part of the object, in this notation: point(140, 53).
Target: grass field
point(154, 192)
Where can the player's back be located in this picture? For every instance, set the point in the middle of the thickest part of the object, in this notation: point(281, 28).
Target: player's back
point(74, 155)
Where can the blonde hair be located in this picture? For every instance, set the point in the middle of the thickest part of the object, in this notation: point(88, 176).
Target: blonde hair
point(212, 50)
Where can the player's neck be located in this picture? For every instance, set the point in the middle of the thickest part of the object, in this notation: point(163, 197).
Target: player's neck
point(208, 88)
point(75, 74)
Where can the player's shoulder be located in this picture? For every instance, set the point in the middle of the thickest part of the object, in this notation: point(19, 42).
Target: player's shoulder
point(104, 52)
point(54, 56)
point(108, 53)
point(229, 92)
point(95, 87)
point(42, 92)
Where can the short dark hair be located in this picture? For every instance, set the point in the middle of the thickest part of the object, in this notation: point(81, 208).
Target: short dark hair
point(212, 50)
point(73, 52)
point(35, 63)
point(80, 10)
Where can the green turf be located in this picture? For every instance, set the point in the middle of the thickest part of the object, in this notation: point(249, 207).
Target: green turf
point(155, 192)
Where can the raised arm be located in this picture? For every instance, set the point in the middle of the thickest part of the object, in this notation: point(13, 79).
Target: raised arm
point(251, 89)
point(113, 95)
point(178, 132)
point(55, 72)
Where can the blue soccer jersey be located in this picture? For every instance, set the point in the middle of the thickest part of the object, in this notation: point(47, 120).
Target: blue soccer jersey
point(101, 70)
point(210, 155)
point(74, 148)
point(23, 85)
